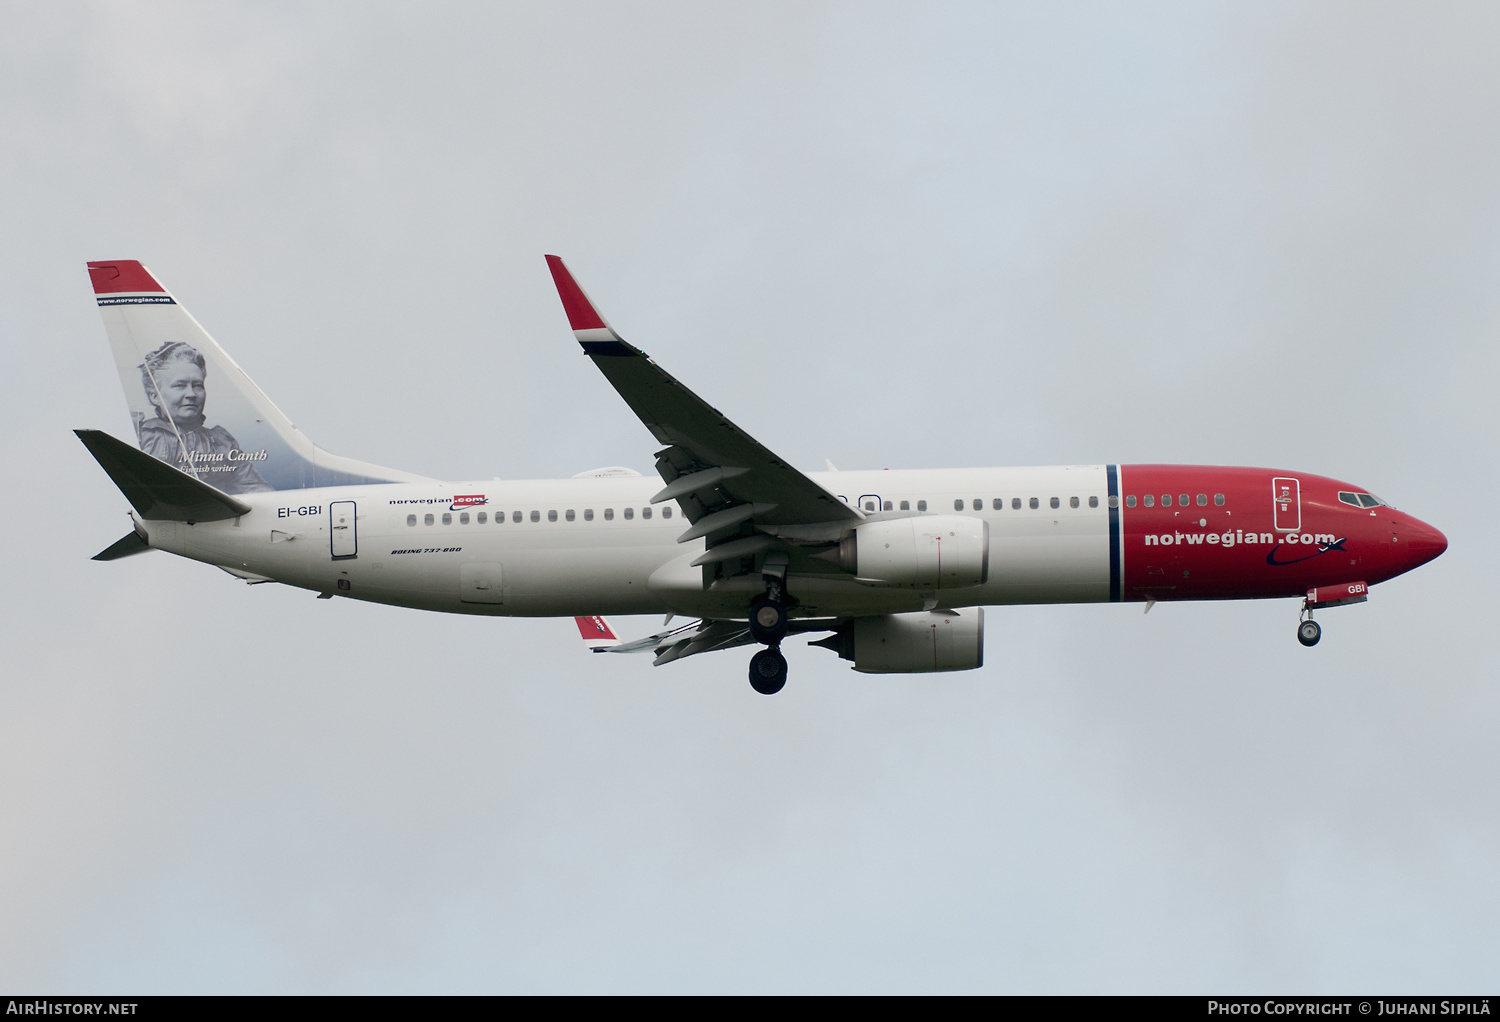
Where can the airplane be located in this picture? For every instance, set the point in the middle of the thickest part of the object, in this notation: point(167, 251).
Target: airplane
point(894, 568)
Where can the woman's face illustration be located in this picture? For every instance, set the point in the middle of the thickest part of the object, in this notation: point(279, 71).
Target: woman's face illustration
point(181, 386)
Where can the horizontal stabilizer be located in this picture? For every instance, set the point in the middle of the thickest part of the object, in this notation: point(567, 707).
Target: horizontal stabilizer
point(130, 543)
point(156, 490)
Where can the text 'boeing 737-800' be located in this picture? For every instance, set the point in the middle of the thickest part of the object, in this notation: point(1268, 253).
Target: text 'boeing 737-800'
point(895, 565)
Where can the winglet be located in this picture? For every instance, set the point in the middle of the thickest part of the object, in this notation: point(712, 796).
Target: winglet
point(581, 312)
point(596, 632)
point(596, 335)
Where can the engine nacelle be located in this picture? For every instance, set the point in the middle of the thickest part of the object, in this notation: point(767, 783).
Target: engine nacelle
point(924, 552)
point(916, 643)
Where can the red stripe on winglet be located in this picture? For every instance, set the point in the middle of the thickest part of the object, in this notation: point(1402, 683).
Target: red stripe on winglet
point(581, 314)
point(121, 275)
point(593, 628)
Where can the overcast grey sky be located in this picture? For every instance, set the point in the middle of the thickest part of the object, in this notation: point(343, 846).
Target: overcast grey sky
point(885, 234)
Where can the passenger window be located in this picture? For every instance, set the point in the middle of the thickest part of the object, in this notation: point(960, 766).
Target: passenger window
point(447, 518)
point(646, 511)
point(1094, 502)
point(998, 503)
point(921, 505)
point(463, 518)
point(482, 518)
point(609, 514)
point(588, 514)
point(536, 516)
point(629, 513)
point(1015, 503)
point(666, 512)
point(906, 505)
point(889, 506)
point(1056, 503)
point(869, 505)
point(1203, 500)
point(1072, 502)
point(515, 516)
point(958, 505)
point(411, 519)
point(427, 519)
point(1130, 501)
point(1219, 499)
point(1150, 500)
point(1166, 500)
point(551, 516)
point(568, 514)
point(1035, 503)
point(1182, 500)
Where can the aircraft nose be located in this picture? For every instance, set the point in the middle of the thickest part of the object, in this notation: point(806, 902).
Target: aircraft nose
point(1424, 543)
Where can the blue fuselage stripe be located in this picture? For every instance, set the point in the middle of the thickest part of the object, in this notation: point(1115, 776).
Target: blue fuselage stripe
point(1113, 472)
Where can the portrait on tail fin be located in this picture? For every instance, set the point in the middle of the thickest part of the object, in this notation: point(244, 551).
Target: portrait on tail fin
point(174, 378)
point(238, 443)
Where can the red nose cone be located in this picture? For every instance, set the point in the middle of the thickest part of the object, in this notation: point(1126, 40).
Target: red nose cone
point(1425, 543)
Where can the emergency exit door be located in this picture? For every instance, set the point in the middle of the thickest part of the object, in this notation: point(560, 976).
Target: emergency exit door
point(343, 532)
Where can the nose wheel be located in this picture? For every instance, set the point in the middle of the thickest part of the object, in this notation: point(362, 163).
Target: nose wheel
point(1308, 631)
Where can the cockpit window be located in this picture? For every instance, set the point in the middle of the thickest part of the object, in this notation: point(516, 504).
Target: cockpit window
point(1361, 499)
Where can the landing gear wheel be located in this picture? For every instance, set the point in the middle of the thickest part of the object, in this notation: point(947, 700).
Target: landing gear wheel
point(768, 671)
point(767, 620)
point(1308, 633)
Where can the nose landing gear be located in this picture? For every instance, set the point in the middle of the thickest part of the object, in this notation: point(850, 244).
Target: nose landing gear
point(1308, 632)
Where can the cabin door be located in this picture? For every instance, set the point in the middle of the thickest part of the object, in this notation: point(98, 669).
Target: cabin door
point(343, 536)
point(1286, 504)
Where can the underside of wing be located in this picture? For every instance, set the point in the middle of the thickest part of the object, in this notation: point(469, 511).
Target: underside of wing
point(710, 635)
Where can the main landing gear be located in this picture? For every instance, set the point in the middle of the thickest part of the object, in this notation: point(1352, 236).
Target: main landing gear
point(768, 625)
point(768, 671)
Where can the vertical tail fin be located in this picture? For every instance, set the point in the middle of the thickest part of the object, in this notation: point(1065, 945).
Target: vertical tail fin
point(194, 409)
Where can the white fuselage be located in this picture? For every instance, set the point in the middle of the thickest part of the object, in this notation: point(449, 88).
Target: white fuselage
point(587, 545)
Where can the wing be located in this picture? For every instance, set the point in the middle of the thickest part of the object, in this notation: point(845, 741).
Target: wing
point(732, 490)
point(599, 636)
point(709, 635)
